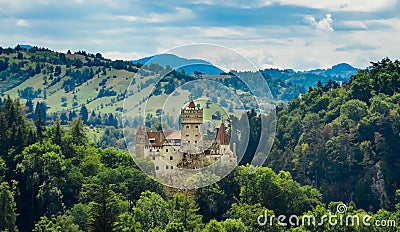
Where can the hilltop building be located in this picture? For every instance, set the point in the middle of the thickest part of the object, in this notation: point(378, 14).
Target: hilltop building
point(186, 149)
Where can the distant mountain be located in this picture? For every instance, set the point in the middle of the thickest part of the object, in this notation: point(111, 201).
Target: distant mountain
point(288, 84)
point(179, 63)
point(339, 73)
point(24, 46)
point(341, 70)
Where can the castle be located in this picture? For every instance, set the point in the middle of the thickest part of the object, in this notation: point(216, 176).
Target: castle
point(184, 149)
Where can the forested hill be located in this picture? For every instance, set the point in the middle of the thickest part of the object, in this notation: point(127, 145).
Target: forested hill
point(68, 81)
point(345, 141)
point(335, 143)
point(54, 179)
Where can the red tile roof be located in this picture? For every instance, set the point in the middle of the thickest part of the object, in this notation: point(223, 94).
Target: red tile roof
point(192, 105)
point(157, 136)
point(173, 134)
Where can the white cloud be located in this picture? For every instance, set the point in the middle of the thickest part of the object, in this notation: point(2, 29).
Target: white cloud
point(354, 24)
point(345, 5)
point(179, 14)
point(324, 24)
point(116, 55)
point(22, 23)
point(106, 26)
point(336, 5)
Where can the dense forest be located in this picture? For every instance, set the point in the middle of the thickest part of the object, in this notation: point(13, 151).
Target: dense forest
point(345, 141)
point(337, 144)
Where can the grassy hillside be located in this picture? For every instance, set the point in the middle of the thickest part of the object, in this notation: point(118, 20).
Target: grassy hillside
point(68, 81)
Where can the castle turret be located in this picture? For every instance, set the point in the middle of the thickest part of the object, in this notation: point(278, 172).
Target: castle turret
point(222, 137)
point(140, 142)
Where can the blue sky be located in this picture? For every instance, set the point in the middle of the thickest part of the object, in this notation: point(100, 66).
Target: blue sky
point(299, 34)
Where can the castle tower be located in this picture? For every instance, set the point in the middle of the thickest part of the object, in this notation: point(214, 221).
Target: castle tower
point(140, 142)
point(192, 125)
point(222, 138)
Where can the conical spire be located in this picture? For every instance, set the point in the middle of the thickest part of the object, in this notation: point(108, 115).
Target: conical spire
point(221, 136)
point(139, 131)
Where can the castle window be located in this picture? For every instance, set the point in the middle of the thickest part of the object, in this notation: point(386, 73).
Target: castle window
point(195, 141)
point(154, 158)
point(197, 126)
point(158, 150)
point(172, 167)
point(171, 158)
point(166, 150)
point(187, 135)
point(187, 126)
point(166, 167)
point(197, 135)
point(157, 168)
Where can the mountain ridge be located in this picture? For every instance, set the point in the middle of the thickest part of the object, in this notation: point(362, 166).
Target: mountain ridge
point(342, 70)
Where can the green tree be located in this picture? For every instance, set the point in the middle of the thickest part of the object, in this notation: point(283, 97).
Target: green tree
point(234, 225)
point(277, 191)
point(15, 131)
point(104, 210)
point(250, 214)
point(3, 169)
point(7, 209)
point(55, 133)
point(360, 87)
point(214, 226)
point(354, 110)
point(126, 223)
point(84, 114)
point(78, 133)
point(184, 210)
point(174, 227)
point(151, 211)
point(61, 223)
point(81, 215)
point(42, 173)
point(40, 124)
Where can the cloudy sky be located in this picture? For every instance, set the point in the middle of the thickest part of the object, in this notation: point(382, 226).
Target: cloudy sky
point(299, 34)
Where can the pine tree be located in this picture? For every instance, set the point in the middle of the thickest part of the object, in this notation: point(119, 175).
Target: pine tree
point(319, 84)
point(40, 125)
point(78, 133)
point(84, 114)
point(112, 121)
point(7, 209)
point(57, 133)
point(40, 108)
point(13, 129)
point(184, 210)
point(103, 211)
